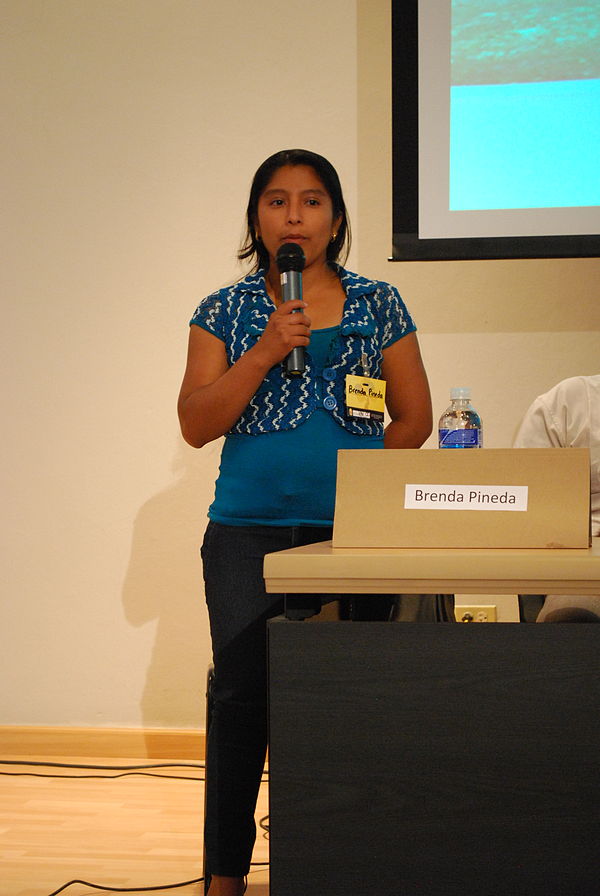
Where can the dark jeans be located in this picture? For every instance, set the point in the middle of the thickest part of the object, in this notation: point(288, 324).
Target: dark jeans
point(239, 608)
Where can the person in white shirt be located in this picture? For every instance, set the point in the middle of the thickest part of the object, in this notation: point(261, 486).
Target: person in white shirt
point(568, 416)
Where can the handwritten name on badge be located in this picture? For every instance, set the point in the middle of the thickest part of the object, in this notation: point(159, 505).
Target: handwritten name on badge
point(365, 397)
point(466, 497)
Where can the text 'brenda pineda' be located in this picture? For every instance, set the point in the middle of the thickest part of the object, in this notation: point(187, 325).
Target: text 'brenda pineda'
point(465, 497)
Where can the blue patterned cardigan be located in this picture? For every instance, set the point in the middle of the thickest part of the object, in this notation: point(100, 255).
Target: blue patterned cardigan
point(374, 317)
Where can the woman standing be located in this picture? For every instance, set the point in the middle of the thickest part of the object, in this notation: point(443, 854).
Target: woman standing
point(276, 484)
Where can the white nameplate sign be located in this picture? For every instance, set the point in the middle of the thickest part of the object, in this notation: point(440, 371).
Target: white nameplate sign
point(465, 497)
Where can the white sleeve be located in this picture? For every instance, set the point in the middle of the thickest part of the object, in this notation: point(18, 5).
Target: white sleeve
point(568, 416)
point(540, 428)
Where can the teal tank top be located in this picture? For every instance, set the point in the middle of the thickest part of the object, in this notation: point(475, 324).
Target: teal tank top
point(287, 477)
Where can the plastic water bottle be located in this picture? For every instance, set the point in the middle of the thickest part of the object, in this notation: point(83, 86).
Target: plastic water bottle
point(460, 424)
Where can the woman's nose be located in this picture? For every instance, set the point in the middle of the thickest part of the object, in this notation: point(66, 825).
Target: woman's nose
point(294, 213)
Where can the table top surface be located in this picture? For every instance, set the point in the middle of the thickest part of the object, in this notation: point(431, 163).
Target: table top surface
point(321, 568)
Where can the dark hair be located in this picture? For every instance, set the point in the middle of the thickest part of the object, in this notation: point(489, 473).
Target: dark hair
point(252, 247)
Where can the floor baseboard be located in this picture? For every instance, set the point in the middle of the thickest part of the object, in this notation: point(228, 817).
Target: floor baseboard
point(135, 743)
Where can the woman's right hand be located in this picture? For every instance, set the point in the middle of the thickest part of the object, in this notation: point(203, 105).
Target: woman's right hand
point(287, 328)
point(213, 394)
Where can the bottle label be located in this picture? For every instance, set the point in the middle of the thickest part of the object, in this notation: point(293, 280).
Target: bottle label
point(460, 438)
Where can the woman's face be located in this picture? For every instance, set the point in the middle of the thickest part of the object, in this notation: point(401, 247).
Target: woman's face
point(295, 207)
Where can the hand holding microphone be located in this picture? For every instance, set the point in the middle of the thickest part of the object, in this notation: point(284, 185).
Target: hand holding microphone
point(290, 261)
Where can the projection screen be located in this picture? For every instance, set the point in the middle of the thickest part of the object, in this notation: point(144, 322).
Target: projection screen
point(496, 128)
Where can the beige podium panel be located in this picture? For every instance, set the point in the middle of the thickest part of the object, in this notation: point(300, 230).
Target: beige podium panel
point(489, 498)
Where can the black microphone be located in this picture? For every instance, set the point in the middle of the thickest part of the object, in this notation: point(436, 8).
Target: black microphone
point(290, 261)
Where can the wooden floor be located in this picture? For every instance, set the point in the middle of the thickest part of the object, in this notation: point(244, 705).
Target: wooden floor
point(138, 830)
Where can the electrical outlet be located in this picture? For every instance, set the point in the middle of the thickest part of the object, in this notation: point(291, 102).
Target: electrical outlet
point(479, 613)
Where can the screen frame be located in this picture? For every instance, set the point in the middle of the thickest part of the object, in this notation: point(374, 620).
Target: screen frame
point(406, 243)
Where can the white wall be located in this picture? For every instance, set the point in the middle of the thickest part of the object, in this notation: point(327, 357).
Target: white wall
point(136, 126)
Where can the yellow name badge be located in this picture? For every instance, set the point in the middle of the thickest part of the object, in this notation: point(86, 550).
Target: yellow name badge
point(365, 398)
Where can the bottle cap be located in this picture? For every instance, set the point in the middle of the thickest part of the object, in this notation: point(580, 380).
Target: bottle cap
point(460, 392)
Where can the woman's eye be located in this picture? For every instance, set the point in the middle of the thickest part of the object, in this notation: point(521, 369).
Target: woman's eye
point(313, 202)
point(277, 202)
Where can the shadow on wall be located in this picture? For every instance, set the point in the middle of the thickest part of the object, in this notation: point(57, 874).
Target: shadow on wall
point(164, 583)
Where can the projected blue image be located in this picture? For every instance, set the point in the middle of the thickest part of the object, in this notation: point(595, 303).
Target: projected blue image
point(525, 104)
point(525, 145)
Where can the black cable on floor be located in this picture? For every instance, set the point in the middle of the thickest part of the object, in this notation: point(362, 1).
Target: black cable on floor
point(99, 777)
point(124, 769)
point(185, 883)
point(116, 768)
point(86, 883)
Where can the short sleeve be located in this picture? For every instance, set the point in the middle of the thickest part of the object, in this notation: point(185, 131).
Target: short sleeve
point(562, 417)
point(210, 315)
point(397, 322)
point(539, 429)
